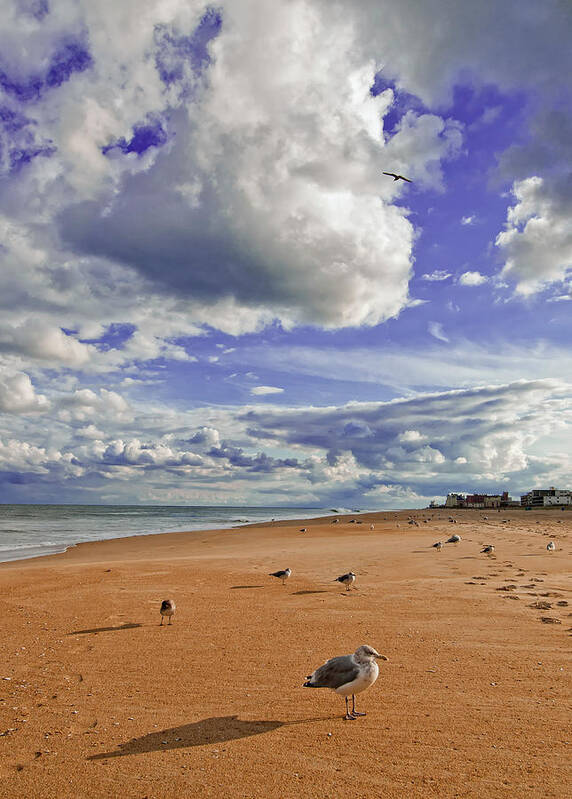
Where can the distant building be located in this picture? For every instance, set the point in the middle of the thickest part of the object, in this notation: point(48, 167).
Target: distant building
point(479, 501)
point(545, 497)
point(455, 501)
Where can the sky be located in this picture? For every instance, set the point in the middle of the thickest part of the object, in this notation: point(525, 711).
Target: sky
point(210, 293)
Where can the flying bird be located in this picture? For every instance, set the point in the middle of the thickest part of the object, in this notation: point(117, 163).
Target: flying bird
point(348, 675)
point(346, 579)
point(283, 575)
point(397, 177)
point(168, 608)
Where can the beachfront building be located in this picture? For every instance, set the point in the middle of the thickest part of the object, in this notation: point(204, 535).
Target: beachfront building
point(545, 497)
point(479, 500)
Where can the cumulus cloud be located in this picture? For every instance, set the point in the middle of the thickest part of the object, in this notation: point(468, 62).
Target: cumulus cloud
point(45, 343)
point(18, 395)
point(414, 440)
point(472, 279)
point(278, 212)
point(536, 244)
point(384, 452)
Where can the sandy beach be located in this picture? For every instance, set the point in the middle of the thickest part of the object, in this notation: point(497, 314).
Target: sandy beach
point(98, 700)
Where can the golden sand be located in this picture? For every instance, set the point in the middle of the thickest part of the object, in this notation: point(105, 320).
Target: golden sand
point(98, 700)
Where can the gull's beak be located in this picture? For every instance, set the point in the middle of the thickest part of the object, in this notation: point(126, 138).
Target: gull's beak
point(381, 657)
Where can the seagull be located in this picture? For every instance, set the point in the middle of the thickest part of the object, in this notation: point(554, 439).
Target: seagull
point(348, 675)
point(168, 608)
point(302, 529)
point(397, 177)
point(551, 546)
point(488, 550)
point(346, 579)
point(438, 546)
point(454, 539)
point(283, 574)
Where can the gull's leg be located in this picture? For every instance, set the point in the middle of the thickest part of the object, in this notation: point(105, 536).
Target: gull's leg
point(161, 622)
point(170, 618)
point(354, 711)
point(349, 716)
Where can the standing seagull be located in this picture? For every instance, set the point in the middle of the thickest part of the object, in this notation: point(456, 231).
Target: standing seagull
point(397, 177)
point(551, 546)
point(346, 579)
point(348, 675)
point(283, 575)
point(438, 546)
point(168, 608)
point(488, 550)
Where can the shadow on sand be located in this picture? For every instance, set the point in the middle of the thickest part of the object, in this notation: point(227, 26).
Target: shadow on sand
point(236, 587)
point(130, 625)
point(200, 733)
point(316, 591)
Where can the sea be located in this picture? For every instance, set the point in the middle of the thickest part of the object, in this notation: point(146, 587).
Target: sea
point(29, 531)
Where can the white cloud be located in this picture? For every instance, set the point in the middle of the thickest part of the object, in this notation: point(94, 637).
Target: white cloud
point(261, 390)
point(536, 244)
point(437, 275)
point(43, 342)
point(411, 436)
point(18, 395)
point(472, 279)
point(436, 330)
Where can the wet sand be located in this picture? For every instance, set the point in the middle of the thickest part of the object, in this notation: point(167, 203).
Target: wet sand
point(98, 700)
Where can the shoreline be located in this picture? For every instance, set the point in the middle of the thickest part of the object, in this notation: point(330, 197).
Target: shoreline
point(60, 549)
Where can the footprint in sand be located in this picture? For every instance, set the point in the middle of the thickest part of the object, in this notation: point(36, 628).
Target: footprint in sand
point(540, 605)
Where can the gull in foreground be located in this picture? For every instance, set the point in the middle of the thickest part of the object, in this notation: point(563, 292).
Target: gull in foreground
point(488, 550)
point(454, 539)
point(551, 546)
point(348, 675)
point(346, 579)
point(438, 545)
point(283, 574)
point(168, 608)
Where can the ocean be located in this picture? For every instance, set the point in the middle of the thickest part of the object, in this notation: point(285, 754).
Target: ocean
point(27, 531)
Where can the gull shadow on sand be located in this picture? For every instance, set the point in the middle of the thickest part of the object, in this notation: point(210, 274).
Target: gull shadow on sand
point(200, 733)
point(127, 626)
point(236, 587)
point(303, 593)
point(214, 730)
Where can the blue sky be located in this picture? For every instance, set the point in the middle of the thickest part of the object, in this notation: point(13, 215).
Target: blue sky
point(210, 293)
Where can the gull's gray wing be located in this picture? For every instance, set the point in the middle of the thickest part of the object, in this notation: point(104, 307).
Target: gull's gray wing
point(335, 673)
